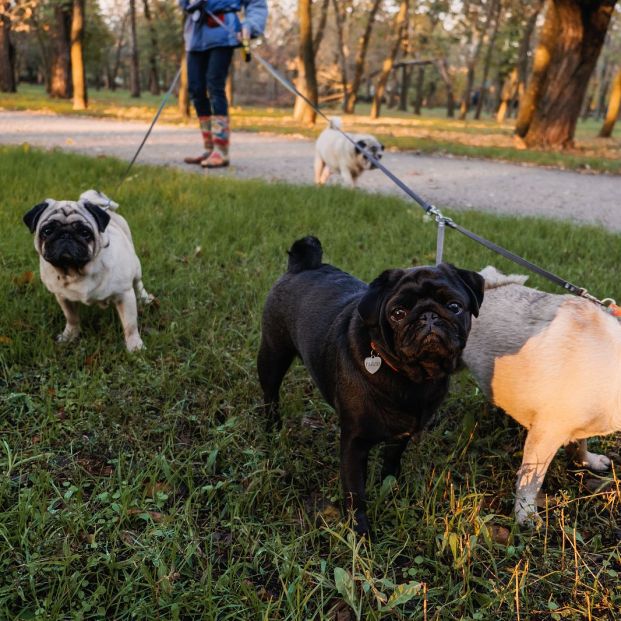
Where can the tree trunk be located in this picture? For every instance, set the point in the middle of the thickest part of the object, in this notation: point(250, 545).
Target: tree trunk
point(307, 77)
point(60, 77)
point(582, 27)
point(321, 26)
point(613, 108)
point(507, 94)
point(340, 20)
point(134, 65)
point(406, 74)
point(117, 56)
point(361, 55)
point(541, 63)
point(7, 57)
point(488, 60)
point(522, 63)
point(184, 96)
point(78, 72)
point(443, 70)
point(389, 61)
point(154, 79)
point(420, 81)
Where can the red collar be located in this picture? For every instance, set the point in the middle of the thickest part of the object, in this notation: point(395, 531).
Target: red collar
point(376, 350)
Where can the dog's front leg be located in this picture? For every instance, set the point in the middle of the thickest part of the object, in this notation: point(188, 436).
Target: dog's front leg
point(354, 458)
point(391, 464)
point(347, 177)
point(128, 313)
point(578, 452)
point(540, 447)
point(72, 317)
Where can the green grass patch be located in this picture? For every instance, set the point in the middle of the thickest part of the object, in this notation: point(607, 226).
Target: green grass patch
point(145, 486)
point(431, 133)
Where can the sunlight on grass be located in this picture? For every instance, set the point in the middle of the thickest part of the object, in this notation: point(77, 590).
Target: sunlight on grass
point(145, 486)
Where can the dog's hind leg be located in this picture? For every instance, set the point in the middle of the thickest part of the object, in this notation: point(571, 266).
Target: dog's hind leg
point(127, 309)
point(577, 452)
point(320, 168)
point(272, 365)
point(540, 447)
point(391, 454)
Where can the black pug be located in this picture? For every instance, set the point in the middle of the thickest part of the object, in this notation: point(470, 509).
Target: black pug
point(381, 354)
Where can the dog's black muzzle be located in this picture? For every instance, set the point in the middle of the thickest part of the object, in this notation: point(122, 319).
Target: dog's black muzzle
point(65, 251)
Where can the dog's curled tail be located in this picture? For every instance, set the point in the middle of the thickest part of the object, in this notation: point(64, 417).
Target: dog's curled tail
point(335, 122)
point(305, 254)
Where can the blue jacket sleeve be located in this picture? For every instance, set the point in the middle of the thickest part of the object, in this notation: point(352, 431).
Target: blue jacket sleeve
point(255, 16)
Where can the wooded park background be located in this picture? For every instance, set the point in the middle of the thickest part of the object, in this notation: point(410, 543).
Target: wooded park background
point(546, 63)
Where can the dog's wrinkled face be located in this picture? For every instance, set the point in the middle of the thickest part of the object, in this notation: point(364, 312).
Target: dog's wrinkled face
point(68, 234)
point(373, 146)
point(420, 318)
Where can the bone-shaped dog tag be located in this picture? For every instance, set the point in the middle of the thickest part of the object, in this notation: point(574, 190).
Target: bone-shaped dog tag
point(372, 364)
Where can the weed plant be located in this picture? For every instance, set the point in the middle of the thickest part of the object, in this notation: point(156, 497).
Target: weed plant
point(146, 487)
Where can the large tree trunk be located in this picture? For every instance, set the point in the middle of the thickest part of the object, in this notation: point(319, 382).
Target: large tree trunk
point(581, 30)
point(541, 63)
point(525, 43)
point(78, 72)
point(339, 15)
point(488, 60)
point(389, 61)
point(184, 95)
point(363, 46)
point(154, 79)
point(307, 77)
point(7, 57)
point(60, 75)
point(134, 65)
point(420, 81)
point(406, 74)
point(507, 94)
point(613, 108)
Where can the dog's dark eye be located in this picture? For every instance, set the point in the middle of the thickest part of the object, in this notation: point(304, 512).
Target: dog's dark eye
point(455, 307)
point(85, 233)
point(398, 313)
point(47, 230)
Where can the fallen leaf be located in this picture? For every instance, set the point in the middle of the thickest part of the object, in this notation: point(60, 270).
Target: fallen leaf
point(5, 340)
point(159, 486)
point(156, 516)
point(25, 278)
point(499, 534)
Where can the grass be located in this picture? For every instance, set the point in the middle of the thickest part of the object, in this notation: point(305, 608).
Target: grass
point(145, 486)
point(431, 133)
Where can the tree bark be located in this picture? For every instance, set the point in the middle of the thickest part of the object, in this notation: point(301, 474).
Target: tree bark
point(8, 83)
point(154, 78)
point(60, 70)
point(507, 94)
point(134, 65)
point(321, 26)
point(420, 81)
point(406, 74)
point(363, 46)
point(389, 61)
point(614, 103)
point(488, 60)
point(340, 20)
point(443, 70)
point(522, 63)
point(78, 72)
point(184, 96)
point(580, 33)
point(117, 55)
point(541, 63)
point(307, 77)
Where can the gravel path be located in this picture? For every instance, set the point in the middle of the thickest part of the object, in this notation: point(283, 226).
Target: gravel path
point(444, 181)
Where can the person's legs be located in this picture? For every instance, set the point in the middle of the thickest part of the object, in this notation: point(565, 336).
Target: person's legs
point(217, 72)
point(197, 87)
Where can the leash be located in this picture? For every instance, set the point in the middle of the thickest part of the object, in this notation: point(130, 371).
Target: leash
point(153, 122)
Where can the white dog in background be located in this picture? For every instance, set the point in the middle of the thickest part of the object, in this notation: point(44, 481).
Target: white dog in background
point(87, 256)
point(335, 154)
point(553, 363)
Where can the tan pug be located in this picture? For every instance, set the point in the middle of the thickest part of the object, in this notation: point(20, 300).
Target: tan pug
point(86, 255)
point(553, 363)
point(335, 154)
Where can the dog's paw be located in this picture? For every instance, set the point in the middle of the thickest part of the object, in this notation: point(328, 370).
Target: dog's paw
point(67, 336)
point(526, 514)
point(596, 462)
point(135, 344)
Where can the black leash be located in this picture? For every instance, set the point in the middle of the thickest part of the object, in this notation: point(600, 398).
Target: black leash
point(153, 122)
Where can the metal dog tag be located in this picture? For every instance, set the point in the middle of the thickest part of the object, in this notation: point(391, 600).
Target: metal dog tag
point(372, 364)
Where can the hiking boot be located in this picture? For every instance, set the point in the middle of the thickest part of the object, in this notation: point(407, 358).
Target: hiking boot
point(219, 157)
point(205, 125)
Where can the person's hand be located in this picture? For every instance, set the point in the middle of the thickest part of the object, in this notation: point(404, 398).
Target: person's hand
point(244, 35)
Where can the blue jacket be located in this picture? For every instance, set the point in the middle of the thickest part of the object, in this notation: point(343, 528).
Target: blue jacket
point(199, 36)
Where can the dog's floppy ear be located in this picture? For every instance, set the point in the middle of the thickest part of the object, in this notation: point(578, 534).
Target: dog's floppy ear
point(475, 285)
point(101, 217)
point(31, 218)
point(370, 305)
point(361, 144)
